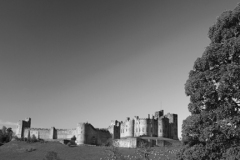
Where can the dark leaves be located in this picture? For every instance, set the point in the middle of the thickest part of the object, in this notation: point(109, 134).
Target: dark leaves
point(213, 129)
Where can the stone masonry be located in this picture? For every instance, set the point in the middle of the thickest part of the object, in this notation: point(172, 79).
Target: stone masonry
point(159, 125)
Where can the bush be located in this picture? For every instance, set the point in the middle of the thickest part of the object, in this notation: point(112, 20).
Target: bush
point(71, 143)
point(34, 138)
point(73, 138)
point(108, 143)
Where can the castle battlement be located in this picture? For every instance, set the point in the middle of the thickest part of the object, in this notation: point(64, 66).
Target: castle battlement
point(39, 128)
point(159, 125)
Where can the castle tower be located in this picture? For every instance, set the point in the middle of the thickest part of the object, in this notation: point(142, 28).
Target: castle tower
point(143, 127)
point(115, 129)
point(81, 133)
point(173, 126)
point(154, 127)
point(127, 128)
point(163, 127)
point(21, 125)
point(159, 114)
point(52, 134)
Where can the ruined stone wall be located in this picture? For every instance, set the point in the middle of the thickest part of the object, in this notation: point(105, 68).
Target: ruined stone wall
point(49, 133)
point(91, 135)
point(84, 132)
point(64, 133)
point(87, 134)
point(103, 136)
point(43, 133)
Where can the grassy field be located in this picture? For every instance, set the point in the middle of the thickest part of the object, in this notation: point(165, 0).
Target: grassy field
point(17, 150)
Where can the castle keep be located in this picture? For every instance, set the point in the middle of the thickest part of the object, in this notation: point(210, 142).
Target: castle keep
point(159, 125)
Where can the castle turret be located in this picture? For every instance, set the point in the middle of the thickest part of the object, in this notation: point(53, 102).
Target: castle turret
point(127, 128)
point(159, 114)
point(81, 133)
point(114, 129)
point(163, 127)
point(143, 127)
point(173, 126)
point(52, 133)
point(21, 125)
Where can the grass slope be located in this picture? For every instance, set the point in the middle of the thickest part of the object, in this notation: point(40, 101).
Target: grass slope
point(16, 150)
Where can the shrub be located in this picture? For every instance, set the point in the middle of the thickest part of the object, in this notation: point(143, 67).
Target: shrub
point(73, 138)
point(34, 138)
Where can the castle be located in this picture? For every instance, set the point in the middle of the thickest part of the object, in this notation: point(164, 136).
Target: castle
point(159, 125)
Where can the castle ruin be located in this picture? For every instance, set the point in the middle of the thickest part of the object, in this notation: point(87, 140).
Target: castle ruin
point(159, 125)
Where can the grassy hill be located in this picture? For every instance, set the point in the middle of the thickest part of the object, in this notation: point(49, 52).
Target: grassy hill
point(17, 150)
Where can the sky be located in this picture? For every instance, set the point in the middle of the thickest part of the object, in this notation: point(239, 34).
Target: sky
point(65, 62)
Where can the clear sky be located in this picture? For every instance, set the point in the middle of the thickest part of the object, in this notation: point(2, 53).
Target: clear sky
point(64, 62)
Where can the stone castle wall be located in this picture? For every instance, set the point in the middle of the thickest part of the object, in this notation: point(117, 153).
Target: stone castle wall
point(22, 124)
point(85, 133)
point(159, 125)
point(92, 135)
point(114, 129)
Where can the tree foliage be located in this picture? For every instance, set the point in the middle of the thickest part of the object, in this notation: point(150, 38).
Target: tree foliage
point(212, 131)
point(4, 130)
point(6, 134)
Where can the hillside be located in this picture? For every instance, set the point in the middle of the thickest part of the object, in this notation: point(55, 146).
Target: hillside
point(16, 150)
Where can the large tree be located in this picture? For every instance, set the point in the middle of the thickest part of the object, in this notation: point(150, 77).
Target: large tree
point(212, 131)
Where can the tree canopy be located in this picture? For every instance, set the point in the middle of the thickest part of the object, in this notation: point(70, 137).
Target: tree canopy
point(212, 131)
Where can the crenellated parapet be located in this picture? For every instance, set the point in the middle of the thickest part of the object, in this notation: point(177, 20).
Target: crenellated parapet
point(127, 128)
point(21, 125)
point(87, 134)
point(157, 125)
point(114, 129)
